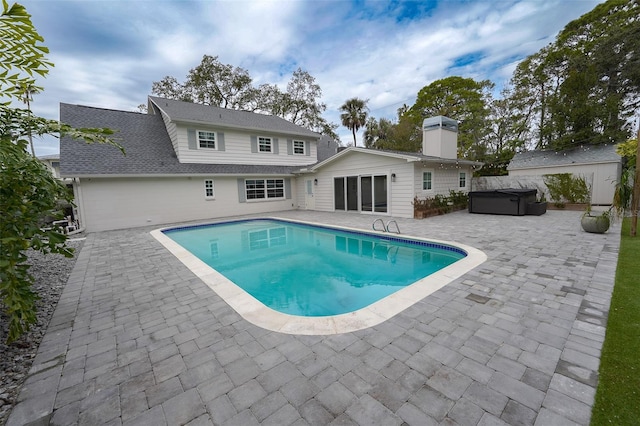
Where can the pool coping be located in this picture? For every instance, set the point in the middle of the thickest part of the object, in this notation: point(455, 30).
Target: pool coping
point(261, 315)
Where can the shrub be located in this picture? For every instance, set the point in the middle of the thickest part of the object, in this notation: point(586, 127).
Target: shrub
point(567, 188)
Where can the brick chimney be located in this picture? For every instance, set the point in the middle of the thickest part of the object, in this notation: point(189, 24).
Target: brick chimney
point(440, 137)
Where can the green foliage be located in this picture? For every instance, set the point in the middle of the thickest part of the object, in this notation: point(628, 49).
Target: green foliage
point(21, 54)
point(567, 188)
point(462, 99)
point(584, 87)
point(386, 134)
point(623, 191)
point(628, 150)
point(354, 115)
point(29, 194)
point(459, 198)
point(616, 400)
point(440, 204)
point(226, 86)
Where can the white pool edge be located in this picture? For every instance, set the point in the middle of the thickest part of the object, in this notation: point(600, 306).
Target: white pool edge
point(258, 314)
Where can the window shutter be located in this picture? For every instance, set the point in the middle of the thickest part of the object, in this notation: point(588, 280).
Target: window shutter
point(287, 188)
point(191, 137)
point(242, 195)
point(254, 143)
point(220, 141)
point(276, 146)
point(307, 148)
point(289, 147)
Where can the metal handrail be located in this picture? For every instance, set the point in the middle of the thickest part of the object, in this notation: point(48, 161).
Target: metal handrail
point(395, 223)
point(384, 229)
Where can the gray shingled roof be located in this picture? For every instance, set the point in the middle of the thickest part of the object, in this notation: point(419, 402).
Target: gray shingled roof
point(327, 147)
point(586, 154)
point(147, 145)
point(188, 112)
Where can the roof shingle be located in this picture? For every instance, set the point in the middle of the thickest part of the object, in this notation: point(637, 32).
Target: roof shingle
point(189, 112)
point(147, 144)
point(587, 154)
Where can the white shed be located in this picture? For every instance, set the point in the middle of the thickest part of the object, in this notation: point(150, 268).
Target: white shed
point(600, 162)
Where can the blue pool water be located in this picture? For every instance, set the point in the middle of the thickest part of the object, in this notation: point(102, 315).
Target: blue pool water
point(310, 270)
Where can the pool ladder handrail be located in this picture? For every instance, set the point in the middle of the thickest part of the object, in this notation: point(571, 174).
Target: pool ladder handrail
point(395, 223)
point(385, 228)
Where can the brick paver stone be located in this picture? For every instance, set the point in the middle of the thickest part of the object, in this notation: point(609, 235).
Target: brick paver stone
point(138, 339)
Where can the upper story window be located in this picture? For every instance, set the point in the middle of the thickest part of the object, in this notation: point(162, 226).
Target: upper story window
point(206, 139)
point(265, 144)
point(208, 189)
point(298, 147)
point(427, 181)
point(463, 180)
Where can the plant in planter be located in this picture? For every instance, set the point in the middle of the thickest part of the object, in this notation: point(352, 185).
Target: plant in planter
point(599, 222)
point(596, 222)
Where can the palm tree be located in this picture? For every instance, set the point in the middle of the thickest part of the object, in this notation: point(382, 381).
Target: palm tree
point(354, 115)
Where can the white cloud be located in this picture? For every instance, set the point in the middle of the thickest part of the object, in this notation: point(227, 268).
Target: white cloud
point(384, 52)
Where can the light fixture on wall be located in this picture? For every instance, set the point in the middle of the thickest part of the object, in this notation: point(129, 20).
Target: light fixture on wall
point(393, 177)
point(315, 181)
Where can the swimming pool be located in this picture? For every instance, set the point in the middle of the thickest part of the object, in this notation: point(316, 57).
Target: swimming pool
point(308, 278)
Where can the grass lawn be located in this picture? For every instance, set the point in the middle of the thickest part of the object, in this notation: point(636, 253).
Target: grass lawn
point(618, 395)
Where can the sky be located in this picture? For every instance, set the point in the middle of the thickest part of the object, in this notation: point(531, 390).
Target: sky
point(107, 53)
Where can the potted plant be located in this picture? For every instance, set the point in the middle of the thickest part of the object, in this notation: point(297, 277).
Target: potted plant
point(596, 222)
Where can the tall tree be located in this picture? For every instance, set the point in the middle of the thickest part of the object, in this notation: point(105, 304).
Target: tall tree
point(396, 136)
point(584, 87)
point(354, 115)
point(218, 84)
point(301, 104)
point(28, 190)
point(226, 86)
point(378, 134)
point(462, 99)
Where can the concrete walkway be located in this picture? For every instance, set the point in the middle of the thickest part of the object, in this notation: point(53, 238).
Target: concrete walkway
point(137, 339)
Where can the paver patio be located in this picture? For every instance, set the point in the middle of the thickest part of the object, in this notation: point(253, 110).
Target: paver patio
point(137, 339)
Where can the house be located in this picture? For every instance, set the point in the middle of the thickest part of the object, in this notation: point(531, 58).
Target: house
point(188, 162)
point(386, 182)
point(599, 164)
point(53, 164)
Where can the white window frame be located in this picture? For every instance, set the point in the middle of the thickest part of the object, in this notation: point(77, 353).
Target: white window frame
point(430, 180)
point(267, 238)
point(301, 147)
point(462, 179)
point(210, 140)
point(264, 189)
point(209, 189)
point(265, 142)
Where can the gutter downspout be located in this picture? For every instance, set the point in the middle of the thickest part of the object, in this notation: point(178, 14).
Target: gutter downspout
point(77, 193)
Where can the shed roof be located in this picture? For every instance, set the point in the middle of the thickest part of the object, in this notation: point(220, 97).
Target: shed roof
point(147, 144)
point(585, 154)
point(188, 112)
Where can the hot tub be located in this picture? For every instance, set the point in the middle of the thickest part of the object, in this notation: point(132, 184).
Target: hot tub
point(510, 201)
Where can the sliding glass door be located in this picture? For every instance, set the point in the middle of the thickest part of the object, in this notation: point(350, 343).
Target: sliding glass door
point(364, 193)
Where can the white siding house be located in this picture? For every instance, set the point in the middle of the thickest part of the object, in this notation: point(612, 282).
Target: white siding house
point(188, 162)
point(385, 182)
point(183, 162)
point(53, 164)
